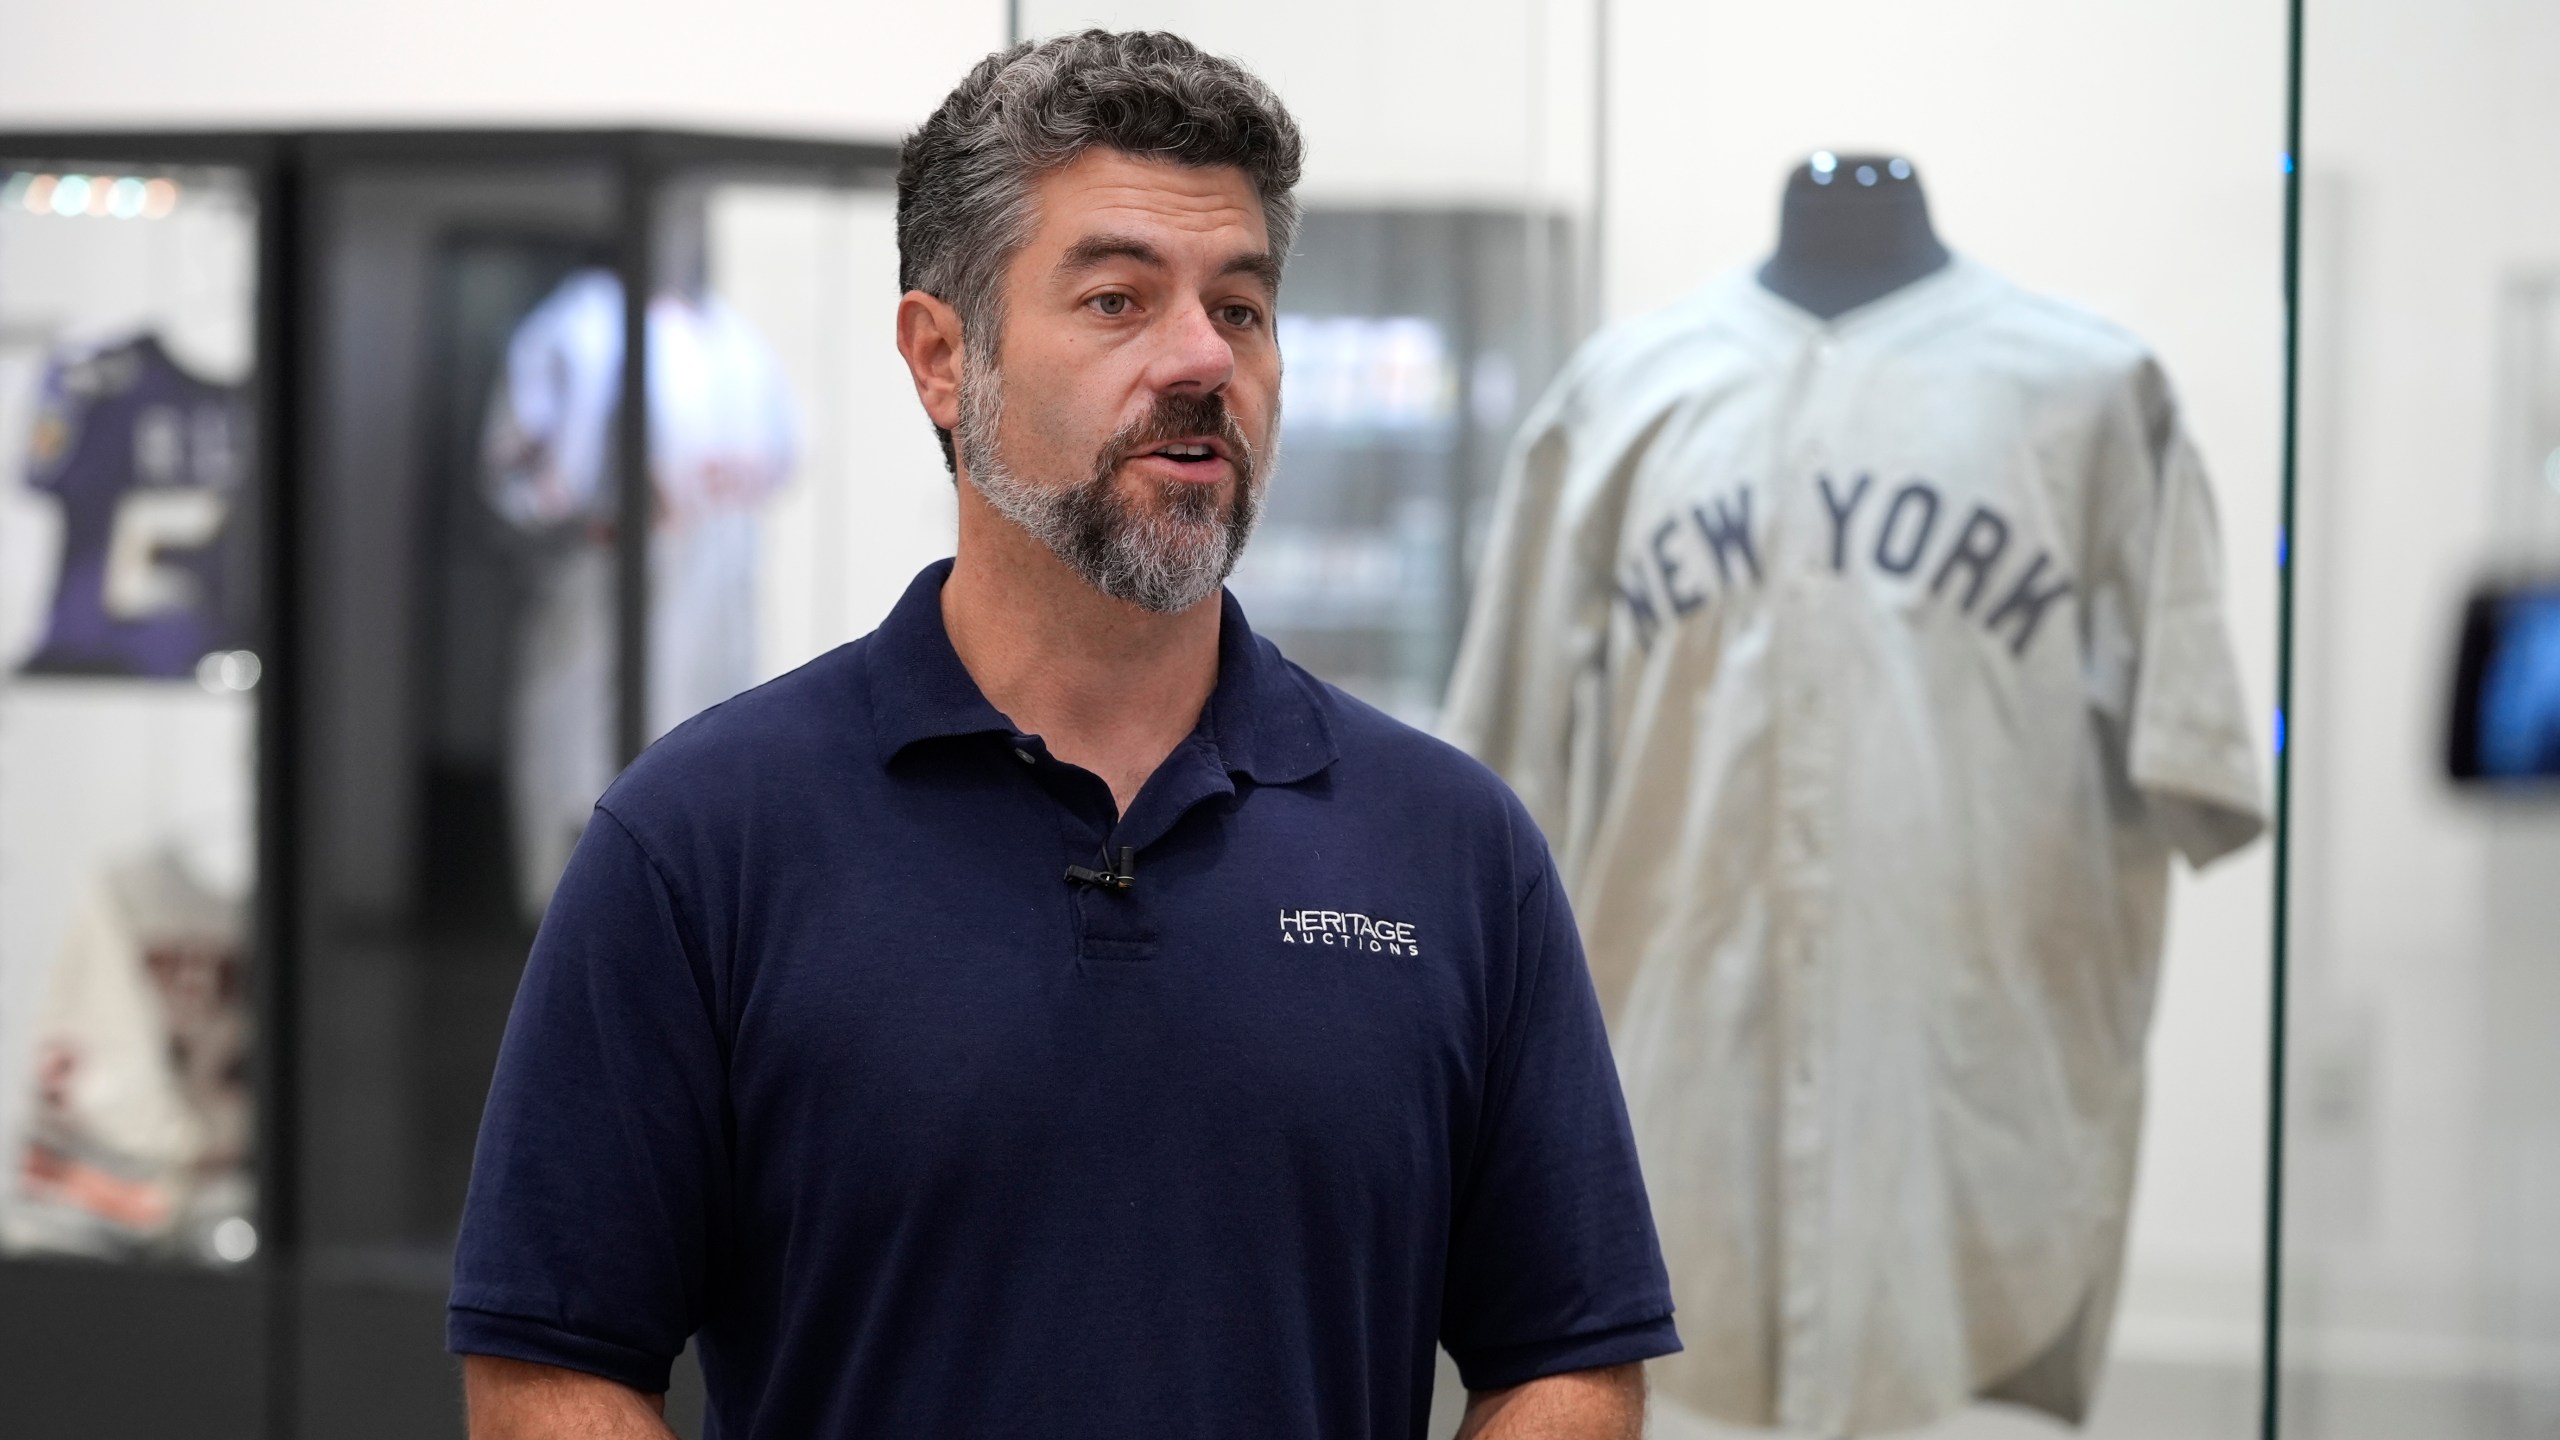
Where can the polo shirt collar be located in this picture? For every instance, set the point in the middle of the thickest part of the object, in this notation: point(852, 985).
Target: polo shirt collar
point(1265, 719)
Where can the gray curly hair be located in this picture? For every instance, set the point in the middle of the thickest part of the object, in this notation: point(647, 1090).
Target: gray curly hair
point(965, 175)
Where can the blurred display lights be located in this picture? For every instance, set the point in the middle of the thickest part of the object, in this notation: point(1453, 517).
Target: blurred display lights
point(104, 197)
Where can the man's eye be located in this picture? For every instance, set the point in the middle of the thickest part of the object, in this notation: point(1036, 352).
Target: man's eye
point(1110, 304)
point(1240, 316)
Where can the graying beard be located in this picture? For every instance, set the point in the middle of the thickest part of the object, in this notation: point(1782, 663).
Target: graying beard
point(1165, 563)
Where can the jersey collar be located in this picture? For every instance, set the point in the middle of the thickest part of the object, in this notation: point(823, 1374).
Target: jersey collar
point(1958, 286)
point(1265, 720)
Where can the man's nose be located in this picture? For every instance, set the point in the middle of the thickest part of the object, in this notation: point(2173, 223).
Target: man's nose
point(1193, 354)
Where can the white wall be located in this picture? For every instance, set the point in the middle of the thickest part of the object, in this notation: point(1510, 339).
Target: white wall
point(1422, 102)
point(835, 67)
point(2122, 154)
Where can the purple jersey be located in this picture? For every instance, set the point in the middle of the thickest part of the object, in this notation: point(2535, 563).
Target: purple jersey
point(145, 461)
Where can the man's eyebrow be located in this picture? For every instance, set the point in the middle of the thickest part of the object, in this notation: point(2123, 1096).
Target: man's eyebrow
point(1095, 249)
point(1260, 264)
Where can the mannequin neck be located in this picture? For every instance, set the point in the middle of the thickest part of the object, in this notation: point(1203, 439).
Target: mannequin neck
point(1851, 229)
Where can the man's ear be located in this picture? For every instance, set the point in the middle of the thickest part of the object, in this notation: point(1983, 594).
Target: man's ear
point(929, 340)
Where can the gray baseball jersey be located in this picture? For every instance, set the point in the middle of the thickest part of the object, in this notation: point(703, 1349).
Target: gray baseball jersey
point(1865, 674)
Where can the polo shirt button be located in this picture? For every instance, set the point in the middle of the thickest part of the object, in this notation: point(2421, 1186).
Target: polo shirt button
point(1024, 756)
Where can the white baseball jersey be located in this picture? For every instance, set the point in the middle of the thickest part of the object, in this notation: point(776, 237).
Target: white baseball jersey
point(141, 1127)
point(1865, 673)
point(721, 441)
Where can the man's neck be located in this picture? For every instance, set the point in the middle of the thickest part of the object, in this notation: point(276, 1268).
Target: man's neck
point(1110, 687)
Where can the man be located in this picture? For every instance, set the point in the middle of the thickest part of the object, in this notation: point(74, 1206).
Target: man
point(1055, 1014)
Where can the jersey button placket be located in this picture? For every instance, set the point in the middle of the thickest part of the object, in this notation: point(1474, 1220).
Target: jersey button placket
point(1802, 736)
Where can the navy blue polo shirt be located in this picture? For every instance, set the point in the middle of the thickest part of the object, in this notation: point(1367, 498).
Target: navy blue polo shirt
point(823, 1060)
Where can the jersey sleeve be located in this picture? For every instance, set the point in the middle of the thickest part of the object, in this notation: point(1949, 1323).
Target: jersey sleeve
point(546, 441)
point(1531, 665)
point(2190, 750)
point(515, 446)
point(1553, 1261)
point(600, 1181)
point(56, 432)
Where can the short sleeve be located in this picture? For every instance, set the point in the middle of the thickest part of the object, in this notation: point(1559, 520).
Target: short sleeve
point(600, 1178)
point(56, 433)
point(1535, 630)
point(546, 442)
point(1529, 695)
point(2190, 749)
point(1553, 1261)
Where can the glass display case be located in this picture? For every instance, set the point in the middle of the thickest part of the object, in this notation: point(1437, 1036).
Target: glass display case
point(128, 710)
point(1761, 780)
point(135, 504)
point(339, 582)
point(1413, 340)
point(2421, 1289)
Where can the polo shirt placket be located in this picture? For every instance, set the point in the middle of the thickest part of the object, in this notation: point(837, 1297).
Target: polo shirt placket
point(1113, 922)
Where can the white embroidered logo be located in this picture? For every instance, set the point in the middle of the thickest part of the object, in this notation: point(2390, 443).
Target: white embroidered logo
point(1349, 929)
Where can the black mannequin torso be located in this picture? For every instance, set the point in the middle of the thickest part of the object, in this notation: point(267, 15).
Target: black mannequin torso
point(1852, 228)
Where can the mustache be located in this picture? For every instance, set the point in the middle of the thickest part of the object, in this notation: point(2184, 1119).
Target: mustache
point(1178, 416)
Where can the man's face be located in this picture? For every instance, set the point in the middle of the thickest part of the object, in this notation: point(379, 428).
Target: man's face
point(1127, 420)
